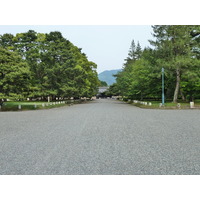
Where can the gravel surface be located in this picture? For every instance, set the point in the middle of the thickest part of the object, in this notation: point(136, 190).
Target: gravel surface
point(100, 137)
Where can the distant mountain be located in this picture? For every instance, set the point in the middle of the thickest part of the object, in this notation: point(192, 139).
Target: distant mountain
point(108, 77)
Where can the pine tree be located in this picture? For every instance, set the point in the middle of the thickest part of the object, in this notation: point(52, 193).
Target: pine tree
point(131, 53)
point(174, 45)
point(138, 51)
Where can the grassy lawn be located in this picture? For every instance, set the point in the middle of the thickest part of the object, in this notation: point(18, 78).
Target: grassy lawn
point(34, 105)
point(167, 105)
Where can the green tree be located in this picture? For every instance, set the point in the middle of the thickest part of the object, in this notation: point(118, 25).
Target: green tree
point(174, 44)
point(6, 41)
point(177, 49)
point(113, 90)
point(103, 84)
point(58, 68)
point(138, 51)
point(14, 76)
point(131, 53)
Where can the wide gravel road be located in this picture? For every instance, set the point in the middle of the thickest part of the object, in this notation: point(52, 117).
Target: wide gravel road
point(100, 137)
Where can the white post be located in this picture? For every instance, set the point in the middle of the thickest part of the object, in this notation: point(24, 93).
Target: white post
point(48, 99)
point(19, 107)
point(35, 106)
point(191, 104)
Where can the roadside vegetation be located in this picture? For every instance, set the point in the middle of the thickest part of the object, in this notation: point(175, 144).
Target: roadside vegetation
point(43, 67)
point(149, 104)
point(177, 50)
point(39, 68)
point(36, 105)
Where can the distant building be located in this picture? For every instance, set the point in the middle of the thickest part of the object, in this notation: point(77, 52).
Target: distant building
point(102, 89)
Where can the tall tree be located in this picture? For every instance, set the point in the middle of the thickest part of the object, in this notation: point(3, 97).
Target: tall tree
point(177, 49)
point(14, 75)
point(6, 41)
point(58, 68)
point(131, 53)
point(138, 51)
point(174, 44)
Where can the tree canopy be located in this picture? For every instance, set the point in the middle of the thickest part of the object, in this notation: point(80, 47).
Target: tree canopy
point(177, 49)
point(103, 84)
point(44, 65)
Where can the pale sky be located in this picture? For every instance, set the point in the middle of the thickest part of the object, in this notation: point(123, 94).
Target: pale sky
point(106, 45)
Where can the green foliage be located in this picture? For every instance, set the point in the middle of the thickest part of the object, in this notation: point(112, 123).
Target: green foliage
point(175, 45)
point(113, 90)
point(134, 53)
point(14, 75)
point(103, 84)
point(177, 49)
point(56, 67)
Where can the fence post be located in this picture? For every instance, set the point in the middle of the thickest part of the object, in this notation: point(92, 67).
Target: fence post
point(191, 104)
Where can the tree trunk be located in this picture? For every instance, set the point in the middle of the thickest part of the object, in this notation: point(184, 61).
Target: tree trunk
point(1, 102)
point(191, 98)
point(176, 92)
point(182, 95)
point(141, 96)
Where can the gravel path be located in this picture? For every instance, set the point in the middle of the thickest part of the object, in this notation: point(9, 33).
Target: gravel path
point(101, 137)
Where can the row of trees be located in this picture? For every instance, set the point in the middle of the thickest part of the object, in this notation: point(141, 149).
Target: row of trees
point(38, 65)
point(177, 49)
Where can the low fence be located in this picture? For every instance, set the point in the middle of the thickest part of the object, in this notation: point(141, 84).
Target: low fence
point(160, 105)
point(23, 106)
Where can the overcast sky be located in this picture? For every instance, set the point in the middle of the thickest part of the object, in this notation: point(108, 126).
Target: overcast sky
point(107, 45)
